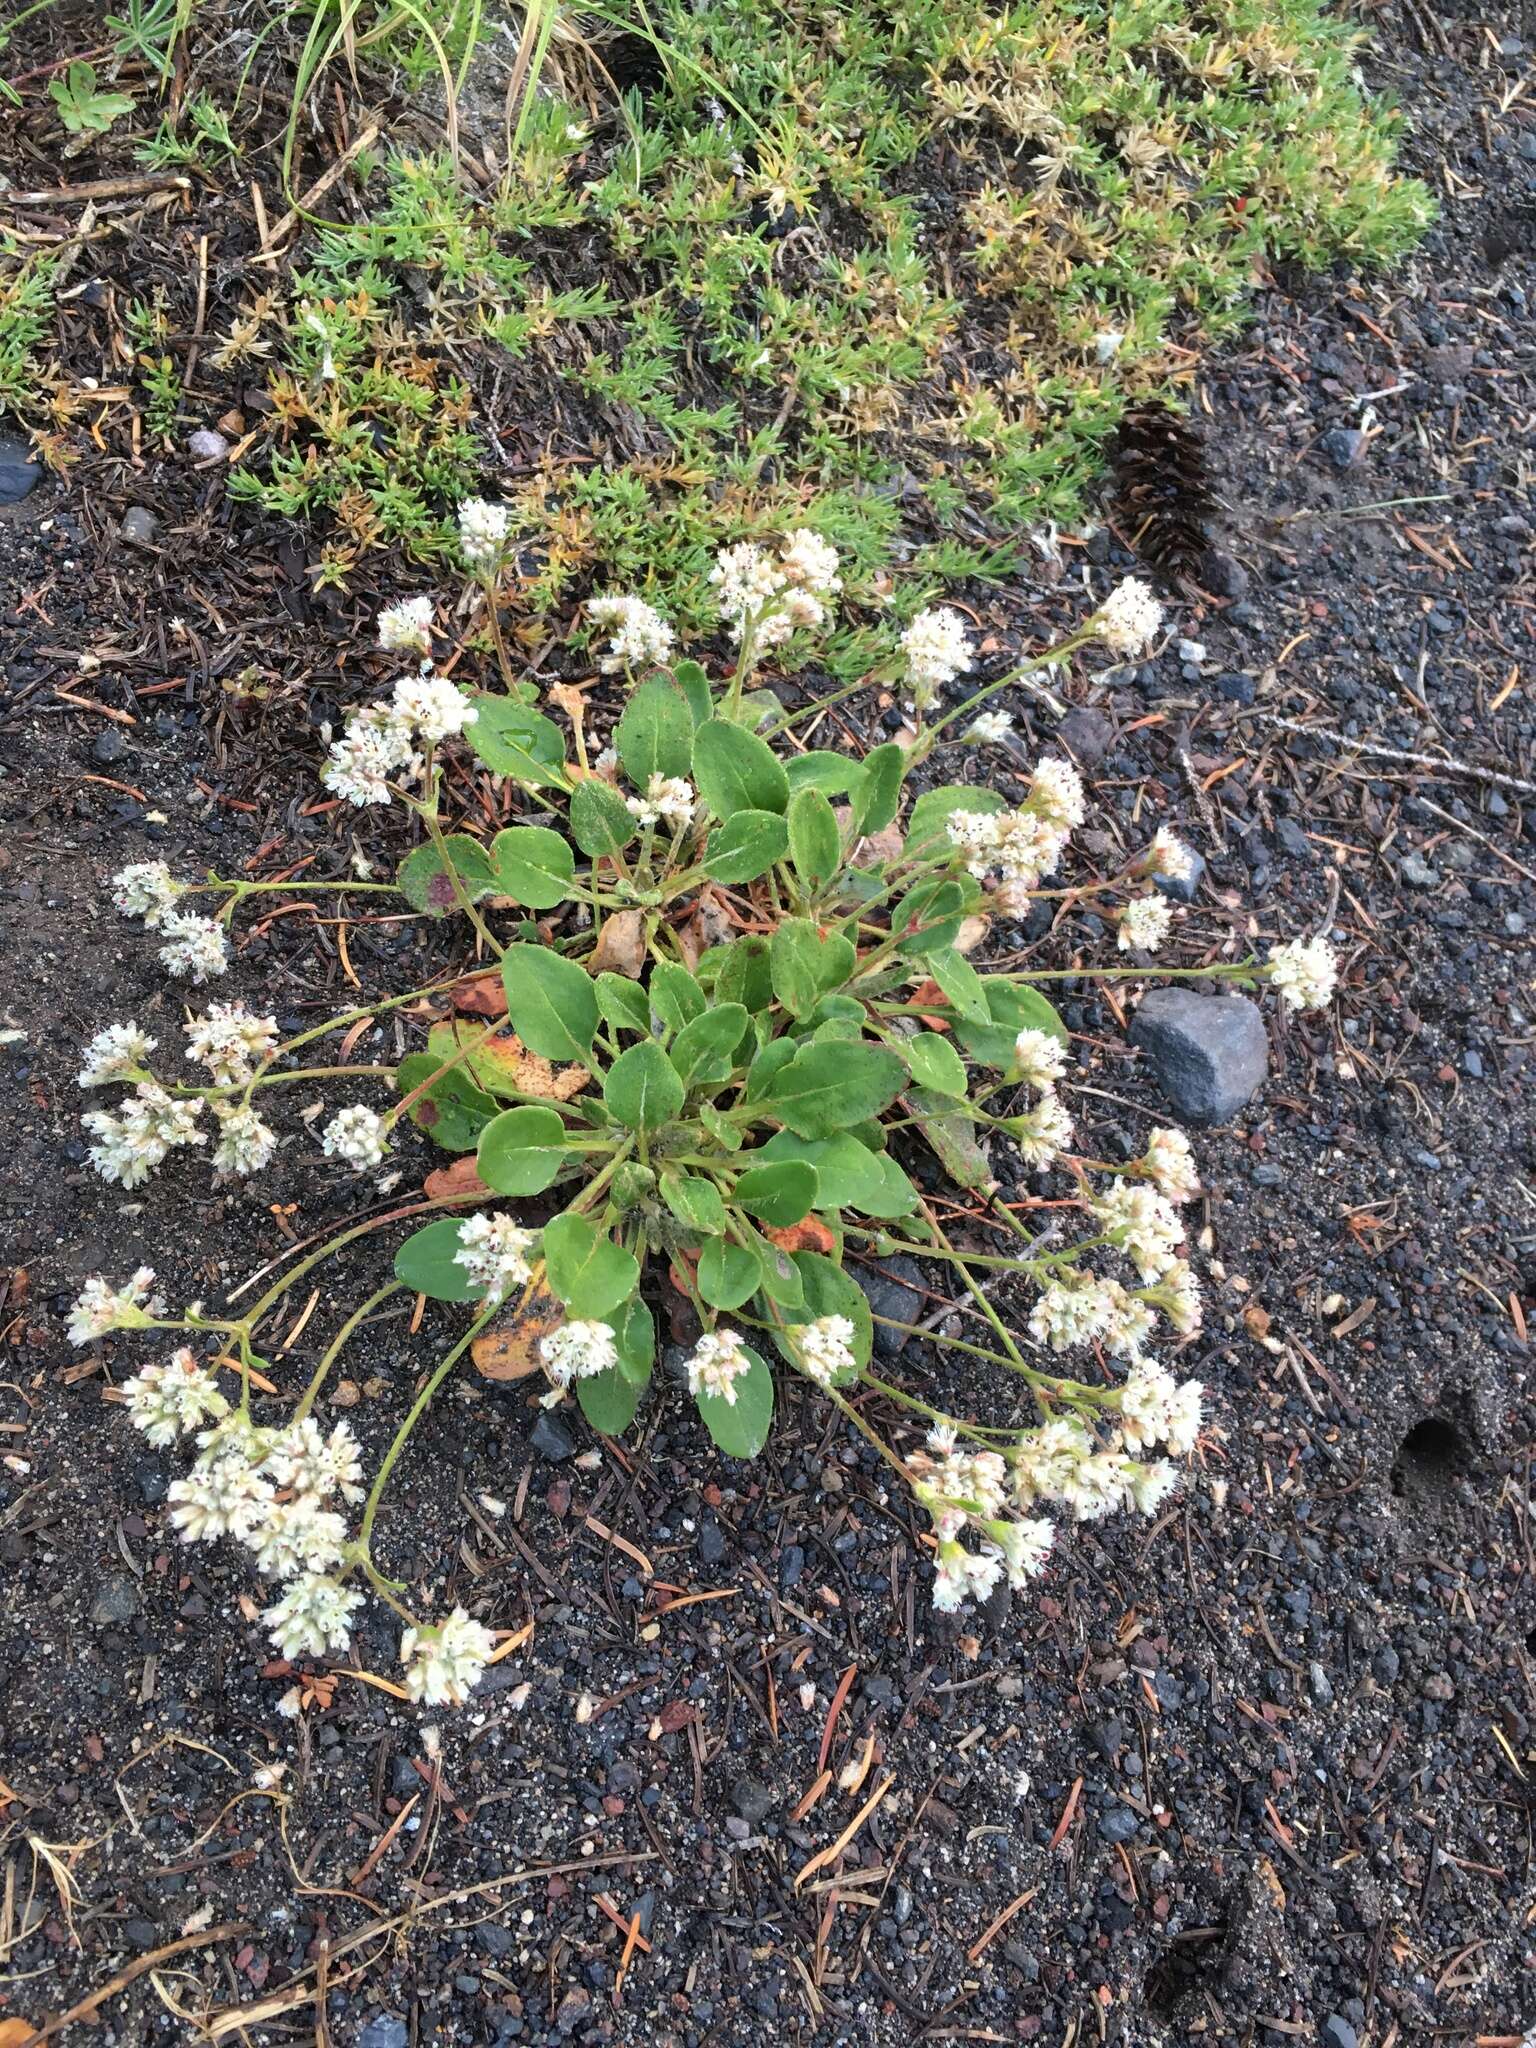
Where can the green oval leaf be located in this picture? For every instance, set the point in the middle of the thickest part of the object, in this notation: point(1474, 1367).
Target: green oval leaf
point(832, 774)
point(589, 1272)
point(426, 1264)
point(608, 1400)
point(782, 1193)
point(815, 838)
point(622, 1003)
point(826, 1087)
point(532, 865)
point(934, 1063)
point(961, 984)
point(695, 1202)
point(424, 881)
point(676, 998)
point(877, 800)
point(515, 741)
point(601, 822)
point(521, 1151)
point(703, 1051)
point(740, 1427)
point(551, 1003)
point(745, 847)
point(729, 1274)
point(655, 734)
point(642, 1088)
point(805, 965)
point(451, 1110)
point(1012, 1006)
point(734, 770)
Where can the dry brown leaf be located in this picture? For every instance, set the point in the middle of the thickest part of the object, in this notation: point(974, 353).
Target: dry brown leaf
point(808, 1235)
point(568, 698)
point(620, 947)
point(13, 2031)
point(509, 1350)
point(459, 1178)
point(1257, 1319)
point(971, 933)
point(481, 995)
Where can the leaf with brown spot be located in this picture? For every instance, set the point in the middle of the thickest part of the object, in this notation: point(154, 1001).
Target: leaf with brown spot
point(810, 1234)
point(503, 1057)
point(458, 1178)
point(481, 995)
point(509, 1350)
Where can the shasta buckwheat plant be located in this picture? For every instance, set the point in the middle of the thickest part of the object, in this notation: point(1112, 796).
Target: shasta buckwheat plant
point(738, 1008)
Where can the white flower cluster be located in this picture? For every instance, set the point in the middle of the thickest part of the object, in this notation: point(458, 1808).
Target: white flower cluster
point(1065, 1463)
point(1144, 923)
point(443, 1664)
point(1079, 1307)
point(1306, 973)
point(638, 635)
point(969, 1490)
point(1143, 1224)
point(717, 1363)
point(1129, 619)
point(1169, 857)
point(988, 729)
point(825, 1348)
point(1021, 846)
point(167, 1400)
point(229, 1041)
point(1169, 1163)
point(358, 1136)
point(776, 596)
point(384, 741)
point(115, 1054)
point(483, 532)
point(406, 628)
point(132, 1140)
point(578, 1351)
point(194, 946)
point(245, 1143)
point(101, 1309)
point(668, 800)
point(937, 651)
point(493, 1250)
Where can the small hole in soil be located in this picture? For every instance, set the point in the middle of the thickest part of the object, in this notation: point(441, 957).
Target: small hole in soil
point(1430, 1458)
point(634, 64)
point(1191, 1961)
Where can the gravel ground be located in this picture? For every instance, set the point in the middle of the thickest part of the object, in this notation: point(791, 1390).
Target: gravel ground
point(1261, 1773)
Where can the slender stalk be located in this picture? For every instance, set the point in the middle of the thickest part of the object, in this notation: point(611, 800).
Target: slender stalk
point(343, 1337)
point(418, 1408)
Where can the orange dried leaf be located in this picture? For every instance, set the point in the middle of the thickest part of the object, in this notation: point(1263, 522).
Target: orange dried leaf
point(809, 1235)
point(459, 1178)
point(481, 995)
point(509, 1350)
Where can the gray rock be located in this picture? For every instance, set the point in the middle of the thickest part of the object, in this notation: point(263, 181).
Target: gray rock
point(753, 1800)
point(206, 445)
point(1338, 2033)
point(1118, 1825)
point(1209, 1053)
point(108, 746)
point(1223, 575)
point(894, 1289)
point(1342, 446)
point(1186, 890)
point(19, 470)
point(141, 1933)
point(138, 527)
point(117, 1600)
point(1087, 734)
point(1321, 1684)
point(1418, 874)
point(551, 1439)
point(384, 2032)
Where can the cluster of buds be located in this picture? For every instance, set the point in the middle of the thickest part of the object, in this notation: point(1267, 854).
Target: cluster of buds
point(275, 1491)
point(1022, 846)
point(767, 597)
point(193, 947)
point(484, 530)
point(639, 637)
point(936, 651)
point(386, 744)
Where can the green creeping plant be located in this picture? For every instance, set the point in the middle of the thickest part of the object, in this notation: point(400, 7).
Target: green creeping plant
point(736, 1117)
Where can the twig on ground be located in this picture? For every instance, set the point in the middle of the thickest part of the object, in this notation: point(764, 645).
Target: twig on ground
point(1438, 766)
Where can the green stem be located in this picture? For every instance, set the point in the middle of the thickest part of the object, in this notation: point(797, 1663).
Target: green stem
point(418, 1408)
point(343, 1338)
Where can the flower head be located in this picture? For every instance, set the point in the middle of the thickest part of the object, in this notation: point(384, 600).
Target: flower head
point(245, 1144)
point(223, 1495)
point(1168, 857)
point(668, 799)
point(937, 651)
point(195, 947)
point(100, 1310)
point(1169, 1163)
point(639, 636)
point(1143, 1223)
point(167, 1400)
point(114, 1054)
point(313, 1616)
point(1042, 1132)
point(131, 1142)
point(483, 531)
point(1039, 1060)
point(825, 1348)
point(1146, 1405)
point(431, 707)
point(988, 728)
point(406, 627)
point(1129, 619)
point(358, 1135)
point(1183, 1431)
point(578, 1351)
point(748, 583)
point(1150, 1485)
point(718, 1362)
point(375, 747)
point(1072, 1310)
point(316, 1466)
point(298, 1536)
point(146, 889)
point(807, 562)
point(494, 1250)
point(229, 1041)
point(443, 1664)
point(1306, 972)
point(1057, 796)
point(1144, 924)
